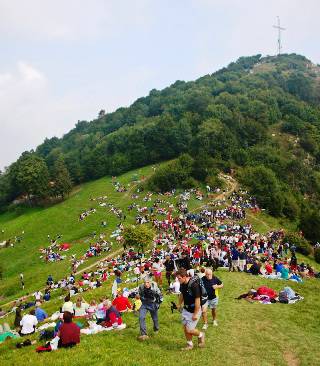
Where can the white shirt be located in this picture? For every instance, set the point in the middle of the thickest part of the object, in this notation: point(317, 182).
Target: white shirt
point(67, 306)
point(37, 295)
point(82, 310)
point(176, 287)
point(28, 322)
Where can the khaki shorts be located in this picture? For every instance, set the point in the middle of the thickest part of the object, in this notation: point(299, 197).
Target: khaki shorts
point(187, 321)
point(211, 304)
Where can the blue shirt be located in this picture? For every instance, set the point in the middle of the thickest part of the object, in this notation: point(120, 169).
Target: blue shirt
point(40, 314)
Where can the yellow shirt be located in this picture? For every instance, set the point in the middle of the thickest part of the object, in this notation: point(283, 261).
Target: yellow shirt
point(137, 304)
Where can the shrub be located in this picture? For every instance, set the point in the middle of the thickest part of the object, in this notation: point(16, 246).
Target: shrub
point(302, 245)
point(317, 255)
point(189, 183)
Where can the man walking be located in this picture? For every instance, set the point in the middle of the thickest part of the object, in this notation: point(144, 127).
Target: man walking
point(190, 298)
point(169, 265)
point(211, 283)
point(151, 298)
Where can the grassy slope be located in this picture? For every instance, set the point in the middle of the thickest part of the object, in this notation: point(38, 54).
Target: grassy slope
point(63, 219)
point(251, 334)
point(248, 334)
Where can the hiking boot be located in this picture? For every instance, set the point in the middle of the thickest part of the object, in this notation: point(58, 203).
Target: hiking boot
point(188, 347)
point(215, 323)
point(201, 341)
point(205, 326)
point(143, 337)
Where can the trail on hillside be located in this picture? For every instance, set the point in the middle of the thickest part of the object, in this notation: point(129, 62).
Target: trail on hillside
point(232, 186)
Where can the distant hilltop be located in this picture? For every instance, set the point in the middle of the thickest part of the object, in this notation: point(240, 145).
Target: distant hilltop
point(256, 112)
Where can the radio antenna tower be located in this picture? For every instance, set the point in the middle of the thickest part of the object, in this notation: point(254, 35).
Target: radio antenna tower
point(279, 35)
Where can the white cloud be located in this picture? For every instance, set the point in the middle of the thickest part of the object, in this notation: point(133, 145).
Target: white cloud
point(70, 20)
point(28, 111)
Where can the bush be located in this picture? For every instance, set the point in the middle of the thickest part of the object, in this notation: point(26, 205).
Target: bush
point(189, 183)
point(317, 255)
point(302, 245)
point(215, 182)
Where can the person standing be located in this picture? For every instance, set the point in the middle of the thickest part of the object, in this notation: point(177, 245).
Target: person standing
point(38, 296)
point(151, 298)
point(22, 280)
point(157, 271)
point(190, 298)
point(169, 265)
point(211, 283)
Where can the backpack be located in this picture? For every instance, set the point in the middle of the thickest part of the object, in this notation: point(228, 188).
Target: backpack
point(283, 297)
point(203, 291)
point(158, 298)
point(290, 293)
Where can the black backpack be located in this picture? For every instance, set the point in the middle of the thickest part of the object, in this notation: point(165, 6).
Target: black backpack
point(203, 291)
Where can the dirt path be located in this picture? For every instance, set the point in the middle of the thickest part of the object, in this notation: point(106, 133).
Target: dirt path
point(233, 185)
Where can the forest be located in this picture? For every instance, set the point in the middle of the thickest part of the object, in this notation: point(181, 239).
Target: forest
point(258, 118)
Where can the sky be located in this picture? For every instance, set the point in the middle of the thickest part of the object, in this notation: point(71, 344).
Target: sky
point(63, 61)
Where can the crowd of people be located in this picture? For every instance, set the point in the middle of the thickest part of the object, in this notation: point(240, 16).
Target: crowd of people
point(187, 249)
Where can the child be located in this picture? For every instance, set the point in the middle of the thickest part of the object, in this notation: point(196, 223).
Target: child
point(100, 312)
point(136, 304)
point(92, 308)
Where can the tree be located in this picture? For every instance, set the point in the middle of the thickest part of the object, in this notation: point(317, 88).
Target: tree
point(138, 237)
point(31, 175)
point(61, 179)
point(310, 225)
point(102, 113)
point(262, 182)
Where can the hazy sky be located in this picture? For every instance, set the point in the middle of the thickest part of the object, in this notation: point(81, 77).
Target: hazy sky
point(64, 60)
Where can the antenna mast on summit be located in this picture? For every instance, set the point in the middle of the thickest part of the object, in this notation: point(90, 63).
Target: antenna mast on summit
point(279, 35)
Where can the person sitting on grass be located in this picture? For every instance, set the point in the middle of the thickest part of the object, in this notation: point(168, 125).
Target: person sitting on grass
point(112, 317)
point(69, 332)
point(80, 307)
point(17, 319)
point(68, 305)
point(28, 323)
point(40, 314)
point(122, 303)
point(100, 313)
point(92, 308)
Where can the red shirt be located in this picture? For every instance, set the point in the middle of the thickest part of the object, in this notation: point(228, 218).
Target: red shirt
point(121, 303)
point(69, 333)
point(269, 268)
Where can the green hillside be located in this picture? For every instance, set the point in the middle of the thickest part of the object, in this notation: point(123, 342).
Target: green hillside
point(258, 121)
point(63, 219)
point(258, 116)
point(247, 334)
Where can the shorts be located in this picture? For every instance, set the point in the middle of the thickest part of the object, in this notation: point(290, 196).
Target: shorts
point(211, 304)
point(187, 321)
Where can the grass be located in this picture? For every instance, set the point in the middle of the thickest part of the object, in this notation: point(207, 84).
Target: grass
point(62, 218)
point(248, 334)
